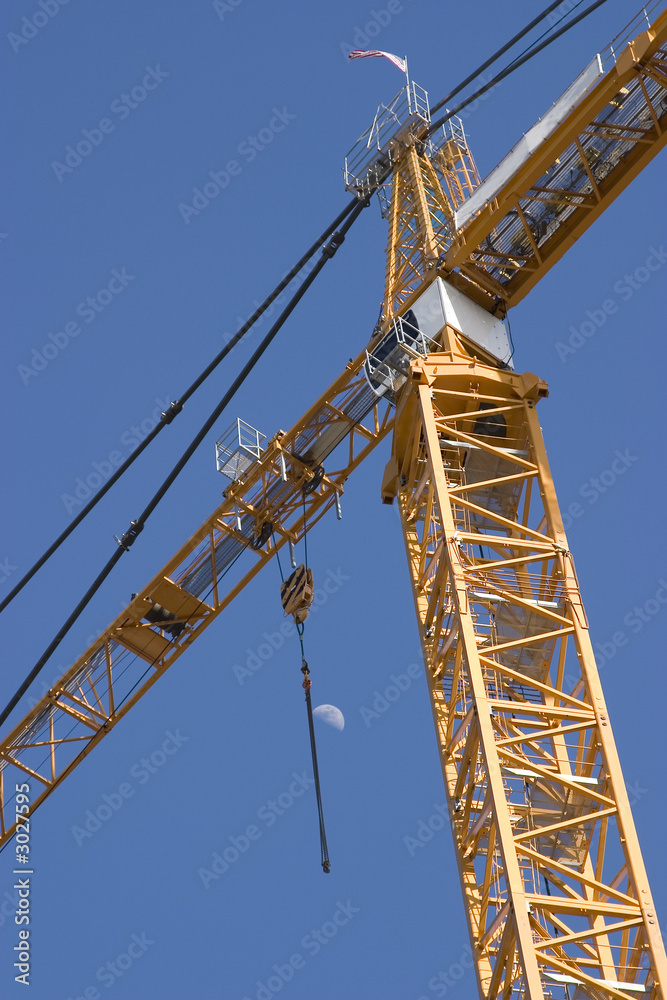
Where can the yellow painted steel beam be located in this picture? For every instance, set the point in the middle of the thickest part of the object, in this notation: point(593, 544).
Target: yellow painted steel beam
point(529, 762)
point(537, 801)
point(425, 190)
point(543, 206)
point(638, 74)
point(195, 586)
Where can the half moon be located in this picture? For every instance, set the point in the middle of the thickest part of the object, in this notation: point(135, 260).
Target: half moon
point(331, 715)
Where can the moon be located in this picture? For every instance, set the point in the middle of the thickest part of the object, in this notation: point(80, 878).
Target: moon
point(331, 715)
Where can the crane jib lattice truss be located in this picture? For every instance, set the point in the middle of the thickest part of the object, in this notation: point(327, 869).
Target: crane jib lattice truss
point(557, 899)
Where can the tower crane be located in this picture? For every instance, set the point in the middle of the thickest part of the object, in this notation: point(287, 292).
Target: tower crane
point(555, 890)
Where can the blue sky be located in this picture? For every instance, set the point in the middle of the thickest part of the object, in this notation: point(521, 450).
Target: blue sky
point(261, 95)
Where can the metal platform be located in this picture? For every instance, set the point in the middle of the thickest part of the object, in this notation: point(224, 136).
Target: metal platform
point(388, 365)
point(369, 162)
point(237, 449)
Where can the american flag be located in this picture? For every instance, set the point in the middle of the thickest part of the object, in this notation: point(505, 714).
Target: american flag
point(396, 60)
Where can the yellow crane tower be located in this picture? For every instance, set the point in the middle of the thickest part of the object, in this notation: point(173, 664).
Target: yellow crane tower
point(551, 871)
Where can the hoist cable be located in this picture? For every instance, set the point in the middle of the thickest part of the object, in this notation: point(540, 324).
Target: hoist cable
point(137, 526)
point(300, 627)
point(175, 408)
point(305, 534)
point(324, 850)
point(280, 565)
point(514, 65)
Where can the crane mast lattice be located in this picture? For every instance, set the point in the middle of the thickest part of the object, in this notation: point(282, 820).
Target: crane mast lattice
point(557, 898)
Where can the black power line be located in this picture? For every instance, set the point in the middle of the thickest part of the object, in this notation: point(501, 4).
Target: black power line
point(351, 213)
point(514, 65)
point(496, 55)
point(176, 407)
point(137, 526)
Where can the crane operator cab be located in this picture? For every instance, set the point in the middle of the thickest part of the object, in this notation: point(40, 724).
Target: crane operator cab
point(419, 331)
